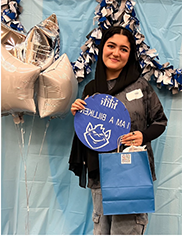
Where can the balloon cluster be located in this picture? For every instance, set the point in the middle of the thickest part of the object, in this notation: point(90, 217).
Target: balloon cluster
point(30, 60)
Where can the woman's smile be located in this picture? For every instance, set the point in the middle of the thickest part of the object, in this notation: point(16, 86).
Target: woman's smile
point(114, 60)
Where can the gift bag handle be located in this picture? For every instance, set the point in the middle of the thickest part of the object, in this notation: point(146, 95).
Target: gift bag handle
point(119, 142)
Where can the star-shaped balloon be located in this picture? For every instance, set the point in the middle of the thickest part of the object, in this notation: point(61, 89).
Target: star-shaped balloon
point(17, 84)
point(58, 88)
point(10, 37)
point(41, 44)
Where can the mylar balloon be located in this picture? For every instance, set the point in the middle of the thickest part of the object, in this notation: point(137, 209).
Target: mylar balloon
point(17, 84)
point(58, 88)
point(39, 46)
point(50, 28)
point(10, 38)
point(38, 51)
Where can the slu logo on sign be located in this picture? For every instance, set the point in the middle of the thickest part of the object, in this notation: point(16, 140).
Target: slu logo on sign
point(96, 137)
point(109, 102)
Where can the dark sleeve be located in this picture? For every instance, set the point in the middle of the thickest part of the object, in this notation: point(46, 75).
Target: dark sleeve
point(156, 118)
point(153, 132)
point(77, 162)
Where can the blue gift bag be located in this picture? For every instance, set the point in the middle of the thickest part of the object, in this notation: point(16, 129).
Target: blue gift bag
point(126, 183)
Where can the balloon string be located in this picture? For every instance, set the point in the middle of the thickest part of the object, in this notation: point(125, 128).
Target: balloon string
point(25, 168)
point(28, 208)
point(45, 132)
point(30, 136)
point(26, 183)
point(21, 146)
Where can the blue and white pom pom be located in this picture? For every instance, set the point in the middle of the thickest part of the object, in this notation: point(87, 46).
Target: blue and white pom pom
point(109, 13)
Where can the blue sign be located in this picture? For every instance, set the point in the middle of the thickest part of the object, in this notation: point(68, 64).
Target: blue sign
point(102, 122)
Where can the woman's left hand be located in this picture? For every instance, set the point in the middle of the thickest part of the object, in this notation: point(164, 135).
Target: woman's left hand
point(134, 138)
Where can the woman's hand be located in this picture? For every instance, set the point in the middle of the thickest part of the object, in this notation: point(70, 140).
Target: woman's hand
point(78, 105)
point(132, 139)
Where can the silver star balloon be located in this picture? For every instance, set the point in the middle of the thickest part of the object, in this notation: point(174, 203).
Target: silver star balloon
point(58, 88)
point(17, 84)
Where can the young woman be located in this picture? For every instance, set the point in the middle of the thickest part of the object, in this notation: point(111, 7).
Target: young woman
point(118, 74)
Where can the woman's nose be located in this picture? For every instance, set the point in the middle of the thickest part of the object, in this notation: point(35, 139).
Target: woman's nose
point(116, 51)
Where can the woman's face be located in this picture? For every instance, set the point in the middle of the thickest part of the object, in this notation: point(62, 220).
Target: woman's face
point(116, 53)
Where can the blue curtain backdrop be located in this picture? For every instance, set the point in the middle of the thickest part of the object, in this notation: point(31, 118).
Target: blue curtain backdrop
point(57, 205)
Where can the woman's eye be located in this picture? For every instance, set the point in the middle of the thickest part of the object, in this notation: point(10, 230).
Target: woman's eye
point(110, 46)
point(124, 50)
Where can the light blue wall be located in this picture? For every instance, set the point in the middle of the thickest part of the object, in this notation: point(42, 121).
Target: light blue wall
point(57, 204)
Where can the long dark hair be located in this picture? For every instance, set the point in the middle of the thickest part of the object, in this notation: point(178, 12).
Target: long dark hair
point(130, 72)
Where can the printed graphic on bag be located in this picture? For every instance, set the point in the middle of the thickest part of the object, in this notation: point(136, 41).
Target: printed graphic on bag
point(125, 158)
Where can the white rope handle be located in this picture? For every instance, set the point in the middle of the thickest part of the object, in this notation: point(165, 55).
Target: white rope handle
point(119, 142)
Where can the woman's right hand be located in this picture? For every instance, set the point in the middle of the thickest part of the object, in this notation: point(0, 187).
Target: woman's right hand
point(78, 105)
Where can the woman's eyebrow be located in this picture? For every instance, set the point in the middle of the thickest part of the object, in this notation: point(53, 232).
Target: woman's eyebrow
point(111, 42)
point(123, 46)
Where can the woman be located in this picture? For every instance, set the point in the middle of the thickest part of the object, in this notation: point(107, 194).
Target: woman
point(118, 74)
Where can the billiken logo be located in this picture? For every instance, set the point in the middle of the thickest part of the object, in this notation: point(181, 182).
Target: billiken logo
point(96, 137)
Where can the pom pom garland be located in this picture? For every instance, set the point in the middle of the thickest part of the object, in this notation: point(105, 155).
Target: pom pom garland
point(10, 11)
point(109, 13)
